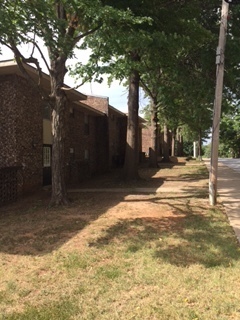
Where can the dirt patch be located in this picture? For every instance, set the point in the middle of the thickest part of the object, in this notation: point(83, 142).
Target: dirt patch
point(48, 254)
point(29, 227)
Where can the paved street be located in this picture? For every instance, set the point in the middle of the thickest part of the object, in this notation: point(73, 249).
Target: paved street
point(229, 190)
point(231, 163)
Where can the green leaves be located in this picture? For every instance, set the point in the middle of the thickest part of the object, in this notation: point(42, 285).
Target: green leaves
point(230, 130)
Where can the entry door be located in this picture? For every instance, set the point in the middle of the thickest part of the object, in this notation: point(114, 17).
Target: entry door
point(47, 165)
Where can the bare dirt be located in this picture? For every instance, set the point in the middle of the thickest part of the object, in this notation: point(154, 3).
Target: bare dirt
point(30, 227)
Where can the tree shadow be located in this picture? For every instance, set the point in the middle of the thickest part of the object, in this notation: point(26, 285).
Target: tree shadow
point(173, 161)
point(29, 227)
point(182, 239)
point(201, 173)
point(203, 242)
point(115, 179)
point(163, 165)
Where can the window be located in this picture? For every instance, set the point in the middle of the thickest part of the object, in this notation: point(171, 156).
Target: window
point(46, 157)
point(86, 124)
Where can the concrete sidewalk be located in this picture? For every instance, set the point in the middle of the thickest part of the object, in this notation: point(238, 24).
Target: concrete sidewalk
point(228, 188)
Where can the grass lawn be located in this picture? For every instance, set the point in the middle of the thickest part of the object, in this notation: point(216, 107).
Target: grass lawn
point(109, 255)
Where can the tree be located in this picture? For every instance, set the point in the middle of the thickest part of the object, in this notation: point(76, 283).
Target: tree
point(179, 40)
point(127, 49)
point(178, 54)
point(230, 133)
point(61, 24)
point(118, 49)
point(132, 143)
point(153, 94)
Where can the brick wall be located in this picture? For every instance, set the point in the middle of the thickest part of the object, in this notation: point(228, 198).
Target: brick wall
point(117, 137)
point(102, 144)
point(21, 129)
point(21, 134)
point(98, 103)
point(80, 141)
point(8, 137)
point(146, 139)
point(117, 126)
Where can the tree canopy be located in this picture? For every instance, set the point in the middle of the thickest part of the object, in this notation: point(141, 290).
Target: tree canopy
point(62, 25)
point(168, 47)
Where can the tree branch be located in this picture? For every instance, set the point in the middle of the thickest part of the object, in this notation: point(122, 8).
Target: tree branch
point(20, 59)
point(5, 44)
point(42, 55)
point(78, 86)
point(83, 35)
point(31, 59)
point(146, 88)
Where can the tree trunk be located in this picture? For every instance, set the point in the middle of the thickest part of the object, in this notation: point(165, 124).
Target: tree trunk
point(179, 143)
point(173, 142)
point(200, 145)
point(166, 157)
point(59, 192)
point(132, 147)
point(153, 155)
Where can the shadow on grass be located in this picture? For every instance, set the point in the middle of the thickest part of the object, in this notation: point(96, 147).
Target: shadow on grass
point(181, 240)
point(203, 241)
point(170, 164)
point(115, 179)
point(30, 228)
point(173, 161)
point(201, 173)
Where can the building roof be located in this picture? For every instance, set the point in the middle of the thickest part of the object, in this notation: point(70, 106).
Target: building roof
point(89, 108)
point(118, 111)
point(108, 106)
point(11, 67)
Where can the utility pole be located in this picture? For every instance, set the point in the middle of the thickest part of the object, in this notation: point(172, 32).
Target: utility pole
point(218, 104)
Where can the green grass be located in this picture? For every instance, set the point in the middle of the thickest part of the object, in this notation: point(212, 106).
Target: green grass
point(180, 266)
point(135, 271)
point(62, 310)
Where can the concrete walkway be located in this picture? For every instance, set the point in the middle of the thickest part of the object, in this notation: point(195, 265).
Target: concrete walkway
point(229, 193)
point(138, 190)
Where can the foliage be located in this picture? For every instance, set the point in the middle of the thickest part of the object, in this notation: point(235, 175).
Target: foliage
point(230, 133)
point(170, 44)
point(185, 89)
point(188, 148)
point(207, 150)
point(177, 72)
point(61, 25)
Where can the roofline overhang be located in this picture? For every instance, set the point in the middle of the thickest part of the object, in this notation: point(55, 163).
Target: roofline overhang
point(91, 109)
point(11, 67)
point(116, 110)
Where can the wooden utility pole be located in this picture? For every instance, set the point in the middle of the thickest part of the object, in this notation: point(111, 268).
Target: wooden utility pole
point(217, 104)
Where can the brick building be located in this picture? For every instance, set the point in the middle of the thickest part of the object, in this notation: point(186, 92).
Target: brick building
point(146, 139)
point(26, 139)
point(95, 133)
point(117, 126)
